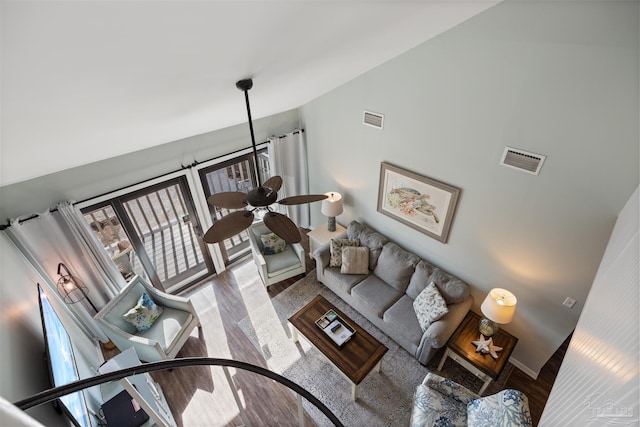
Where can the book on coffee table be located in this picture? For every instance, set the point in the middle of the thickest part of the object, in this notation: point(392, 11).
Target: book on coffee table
point(335, 327)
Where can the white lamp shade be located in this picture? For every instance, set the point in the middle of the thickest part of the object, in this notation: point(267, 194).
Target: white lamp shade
point(332, 205)
point(499, 306)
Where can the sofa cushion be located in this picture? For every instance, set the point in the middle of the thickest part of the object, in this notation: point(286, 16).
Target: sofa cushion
point(368, 237)
point(167, 327)
point(506, 408)
point(336, 250)
point(419, 279)
point(402, 319)
point(339, 282)
point(144, 313)
point(375, 295)
point(452, 289)
point(282, 262)
point(272, 244)
point(395, 266)
point(355, 260)
point(429, 306)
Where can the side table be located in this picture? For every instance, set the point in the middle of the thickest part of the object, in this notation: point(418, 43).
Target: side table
point(461, 349)
point(321, 235)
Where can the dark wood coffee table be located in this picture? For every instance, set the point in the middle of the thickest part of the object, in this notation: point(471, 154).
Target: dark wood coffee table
point(461, 349)
point(355, 359)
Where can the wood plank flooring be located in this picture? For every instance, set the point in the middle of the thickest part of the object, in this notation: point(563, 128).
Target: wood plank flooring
point(200, 396)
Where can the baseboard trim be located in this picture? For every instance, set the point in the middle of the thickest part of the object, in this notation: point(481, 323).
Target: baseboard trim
point(524, 368)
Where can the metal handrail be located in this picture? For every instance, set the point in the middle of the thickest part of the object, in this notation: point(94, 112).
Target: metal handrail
point(57, 392)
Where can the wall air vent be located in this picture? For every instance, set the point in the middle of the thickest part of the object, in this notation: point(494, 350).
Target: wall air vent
point(522, 160)
point(373, 119)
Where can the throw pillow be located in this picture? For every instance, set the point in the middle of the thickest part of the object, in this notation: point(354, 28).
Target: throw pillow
point(272, 244)
point(355, 260)
point(336, 250)
point(429, 306)
point(144, 313)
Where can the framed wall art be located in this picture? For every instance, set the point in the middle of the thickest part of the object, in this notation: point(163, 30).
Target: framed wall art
point(421, 203)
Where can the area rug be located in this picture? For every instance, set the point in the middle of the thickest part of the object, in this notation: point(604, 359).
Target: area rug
point(384, 399)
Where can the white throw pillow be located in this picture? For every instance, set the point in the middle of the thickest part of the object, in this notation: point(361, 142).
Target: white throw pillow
point(429, 306)
point(355, 260)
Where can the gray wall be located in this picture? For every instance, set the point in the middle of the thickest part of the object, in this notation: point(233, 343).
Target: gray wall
point(600, 368)
point(23, 370)
point(555, 78)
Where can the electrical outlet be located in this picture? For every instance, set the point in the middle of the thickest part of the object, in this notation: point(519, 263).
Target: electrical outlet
point(569, 302)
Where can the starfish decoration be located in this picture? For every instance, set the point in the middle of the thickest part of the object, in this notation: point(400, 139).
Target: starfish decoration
point(482, 345)
point(486, 346)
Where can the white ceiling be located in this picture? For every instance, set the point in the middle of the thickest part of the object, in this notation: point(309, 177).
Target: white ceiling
point(87, 80)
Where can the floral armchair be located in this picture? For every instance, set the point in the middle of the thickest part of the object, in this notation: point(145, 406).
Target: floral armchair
point(441, 402)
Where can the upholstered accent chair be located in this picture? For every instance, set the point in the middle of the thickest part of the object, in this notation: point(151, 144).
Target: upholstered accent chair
point(275, 262)
point(164, 337)
point(441, 402)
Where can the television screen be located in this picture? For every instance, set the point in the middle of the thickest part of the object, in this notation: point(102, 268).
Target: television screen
point(61, 361)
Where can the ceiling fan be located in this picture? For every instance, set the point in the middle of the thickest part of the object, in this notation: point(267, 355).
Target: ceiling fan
point(259, 198)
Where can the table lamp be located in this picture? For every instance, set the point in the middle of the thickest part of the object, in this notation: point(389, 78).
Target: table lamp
point(498, 308)
point(332, 207)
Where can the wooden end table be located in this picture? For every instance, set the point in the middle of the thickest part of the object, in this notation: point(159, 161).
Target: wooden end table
point(483, 366)
point(355, 359)
point(321, 235)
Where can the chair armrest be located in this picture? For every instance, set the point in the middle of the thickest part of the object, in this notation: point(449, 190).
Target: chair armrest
point(449, 388)
point(322, 255)
point(172, 301)
point(123, 339)
point(299, 250)
point(439, 332)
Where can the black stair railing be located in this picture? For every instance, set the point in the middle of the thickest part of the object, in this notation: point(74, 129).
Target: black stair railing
point(57, 392)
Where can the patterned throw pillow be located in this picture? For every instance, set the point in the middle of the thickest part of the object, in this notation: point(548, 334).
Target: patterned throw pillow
point(355, 260)
point(429, 306)
point(272, 244)
point(336, 250)
point(144, 313)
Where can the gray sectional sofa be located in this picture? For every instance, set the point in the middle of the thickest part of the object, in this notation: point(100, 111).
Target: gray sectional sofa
point(386, 293)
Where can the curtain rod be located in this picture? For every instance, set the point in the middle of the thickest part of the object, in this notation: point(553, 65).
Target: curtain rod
point(182, 167)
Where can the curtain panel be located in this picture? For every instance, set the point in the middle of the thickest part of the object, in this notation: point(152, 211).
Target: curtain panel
point(43, 244)
point(288, 158)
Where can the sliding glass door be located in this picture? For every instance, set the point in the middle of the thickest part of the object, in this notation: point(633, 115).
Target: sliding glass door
point(154, 232)
point(237, 174)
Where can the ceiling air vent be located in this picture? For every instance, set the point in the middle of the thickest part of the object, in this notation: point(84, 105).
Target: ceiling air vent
point(373, 119)
point(522, 160)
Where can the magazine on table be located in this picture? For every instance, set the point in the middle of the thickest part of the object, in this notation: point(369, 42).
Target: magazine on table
point(335, 327)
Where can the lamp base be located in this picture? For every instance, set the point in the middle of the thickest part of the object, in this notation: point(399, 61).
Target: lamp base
point(331, 224)
point(488, 327)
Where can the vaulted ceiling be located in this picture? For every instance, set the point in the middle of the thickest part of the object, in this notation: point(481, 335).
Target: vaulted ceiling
point(83, 81)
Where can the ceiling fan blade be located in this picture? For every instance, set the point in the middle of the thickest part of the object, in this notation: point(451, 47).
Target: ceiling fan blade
point(298, 200)
point(283, 227)
point(274, 183)
point(229, 200)
point(228, 226)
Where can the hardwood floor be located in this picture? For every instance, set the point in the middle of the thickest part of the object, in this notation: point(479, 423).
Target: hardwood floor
point(200, 396)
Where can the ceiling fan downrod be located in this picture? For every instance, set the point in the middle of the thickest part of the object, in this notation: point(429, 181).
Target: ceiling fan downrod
point(245, 85)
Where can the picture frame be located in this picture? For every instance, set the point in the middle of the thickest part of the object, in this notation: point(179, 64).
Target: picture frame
point(417, 201)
